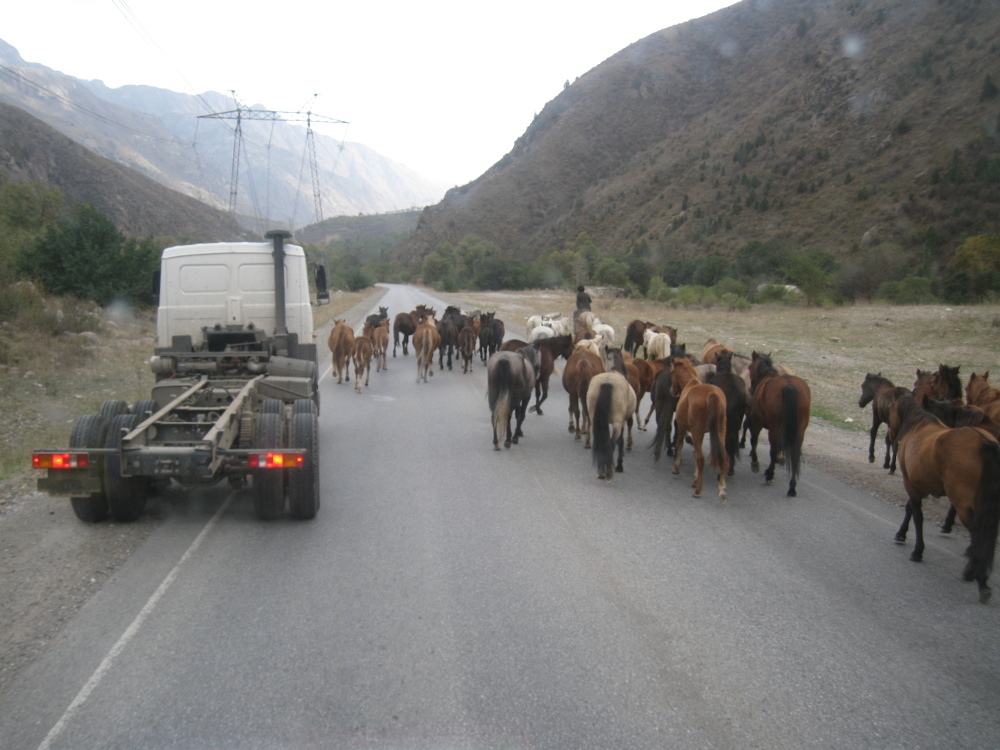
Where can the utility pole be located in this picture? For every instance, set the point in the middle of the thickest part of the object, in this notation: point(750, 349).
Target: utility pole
point(243, 112)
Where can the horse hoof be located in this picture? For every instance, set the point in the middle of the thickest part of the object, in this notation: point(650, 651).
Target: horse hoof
point(676, 471)
point(695, 494)
point(531, 410)
point(871, 460)
point(900, 539)
point(755, 467)
point(723, 497)
point(496, 447)
point(620, 469)
point(917, 557)
point(506, 444)
point(791, 493)
point(984, 595)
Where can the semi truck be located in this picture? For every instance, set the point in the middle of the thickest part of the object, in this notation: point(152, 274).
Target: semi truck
point(236, 392)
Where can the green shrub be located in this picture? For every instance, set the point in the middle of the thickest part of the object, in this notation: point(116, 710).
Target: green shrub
point(913, 290)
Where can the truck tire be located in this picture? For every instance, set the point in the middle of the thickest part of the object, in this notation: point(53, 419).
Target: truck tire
point(112, 408)
point(90, 432)
point(144, 409)
point(303, 482)
point(269, 484)
point(126, 495)
point(304, 406)
point(272, 406)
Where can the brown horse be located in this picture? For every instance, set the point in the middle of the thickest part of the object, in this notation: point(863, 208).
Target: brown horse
point(780, 404)
point(580, 369)
point(362, 354)
point(405, 324)
point(881, 394)
point(426, 341)
point(711, 350)
point(980, 393)
point(701, 409)
point(341, 343)
point(633, 336)
point(960, 463)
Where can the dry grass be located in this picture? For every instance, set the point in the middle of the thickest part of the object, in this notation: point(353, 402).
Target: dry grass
point(832, 348)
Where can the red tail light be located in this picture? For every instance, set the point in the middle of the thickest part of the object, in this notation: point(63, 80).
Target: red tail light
point(275, 460)
point(60, 460)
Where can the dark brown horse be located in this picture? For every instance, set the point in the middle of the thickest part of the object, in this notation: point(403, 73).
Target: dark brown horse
point(960, 463)
point(780, 404)
point(881, 393)
point(737, 401)
point(467, 342)
point(405, 325)
point(511, 379)
point(701, 410)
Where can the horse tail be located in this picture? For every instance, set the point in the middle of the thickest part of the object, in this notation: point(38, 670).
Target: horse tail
point(985, 516)
point(600, 420)
point(735, 409)
point(791, 440)
point(631, 344)
point(501, 407)
point(716, 440)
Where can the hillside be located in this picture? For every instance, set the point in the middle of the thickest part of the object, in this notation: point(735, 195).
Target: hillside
point(158, 133)
point(31, 151)
point(358, 230)
point(823, 125)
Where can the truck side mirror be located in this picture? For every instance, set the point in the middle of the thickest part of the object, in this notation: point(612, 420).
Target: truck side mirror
point(322, 292)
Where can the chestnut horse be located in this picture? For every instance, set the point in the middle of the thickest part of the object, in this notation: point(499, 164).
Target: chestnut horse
point(341, 343)
point(961, 463)
point(580, 369)
point(780, 404)
point(381, 344)
point(701, 408)
point(467, 342)
point(710, 352)
point(980, 393)
point(426, 341)
point(362, 352)
point(882, 394)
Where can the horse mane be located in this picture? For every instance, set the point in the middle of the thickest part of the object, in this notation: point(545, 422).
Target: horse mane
point(878, 380)
point(958, 416)
point(912, 415)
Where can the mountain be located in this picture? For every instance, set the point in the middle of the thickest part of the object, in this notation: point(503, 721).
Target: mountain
point(822, 125)
point(31, 151)
point(159, 133)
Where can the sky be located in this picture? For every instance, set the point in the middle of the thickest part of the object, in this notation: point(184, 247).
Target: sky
point(444, 87)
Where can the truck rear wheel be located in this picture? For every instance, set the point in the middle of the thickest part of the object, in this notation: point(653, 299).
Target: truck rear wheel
point(90, 432)
point(304, 406)
point(144, 409)
point(269, 484)
point(126, 495)
point(113, 407)
point(272, 406)
point(303, 482)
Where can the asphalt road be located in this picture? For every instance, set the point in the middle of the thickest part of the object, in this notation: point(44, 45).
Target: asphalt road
point(450, 596)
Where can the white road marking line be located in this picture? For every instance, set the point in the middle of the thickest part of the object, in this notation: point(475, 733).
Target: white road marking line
point(130, 632)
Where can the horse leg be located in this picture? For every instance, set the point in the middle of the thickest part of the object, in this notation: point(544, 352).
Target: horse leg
point(586, 423)
point(652, 408)
point(628, 445)
point(872, 436)
point(678, 443)
point(519, 411)
point(949, 521)
point(895, 451)
point(774, 444)
point(620, 466)
point(699, 461)
point(754, 437)
point(918, 528)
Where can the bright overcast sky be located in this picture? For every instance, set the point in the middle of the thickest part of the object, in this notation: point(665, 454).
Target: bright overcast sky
point(442, 86)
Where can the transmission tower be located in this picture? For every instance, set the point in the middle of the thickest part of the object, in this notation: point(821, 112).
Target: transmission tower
point(243, 112)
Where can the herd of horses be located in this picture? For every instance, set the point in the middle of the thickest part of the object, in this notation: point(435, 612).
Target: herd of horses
point(945, 440)
point(944, 437)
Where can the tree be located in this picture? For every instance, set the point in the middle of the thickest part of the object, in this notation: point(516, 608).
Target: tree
point(86, 256)
point(808, 275)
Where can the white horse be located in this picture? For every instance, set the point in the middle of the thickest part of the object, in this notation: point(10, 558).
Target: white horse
point(657, 345)
point(540, 332)
point(605, 332)
point(533, 322)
